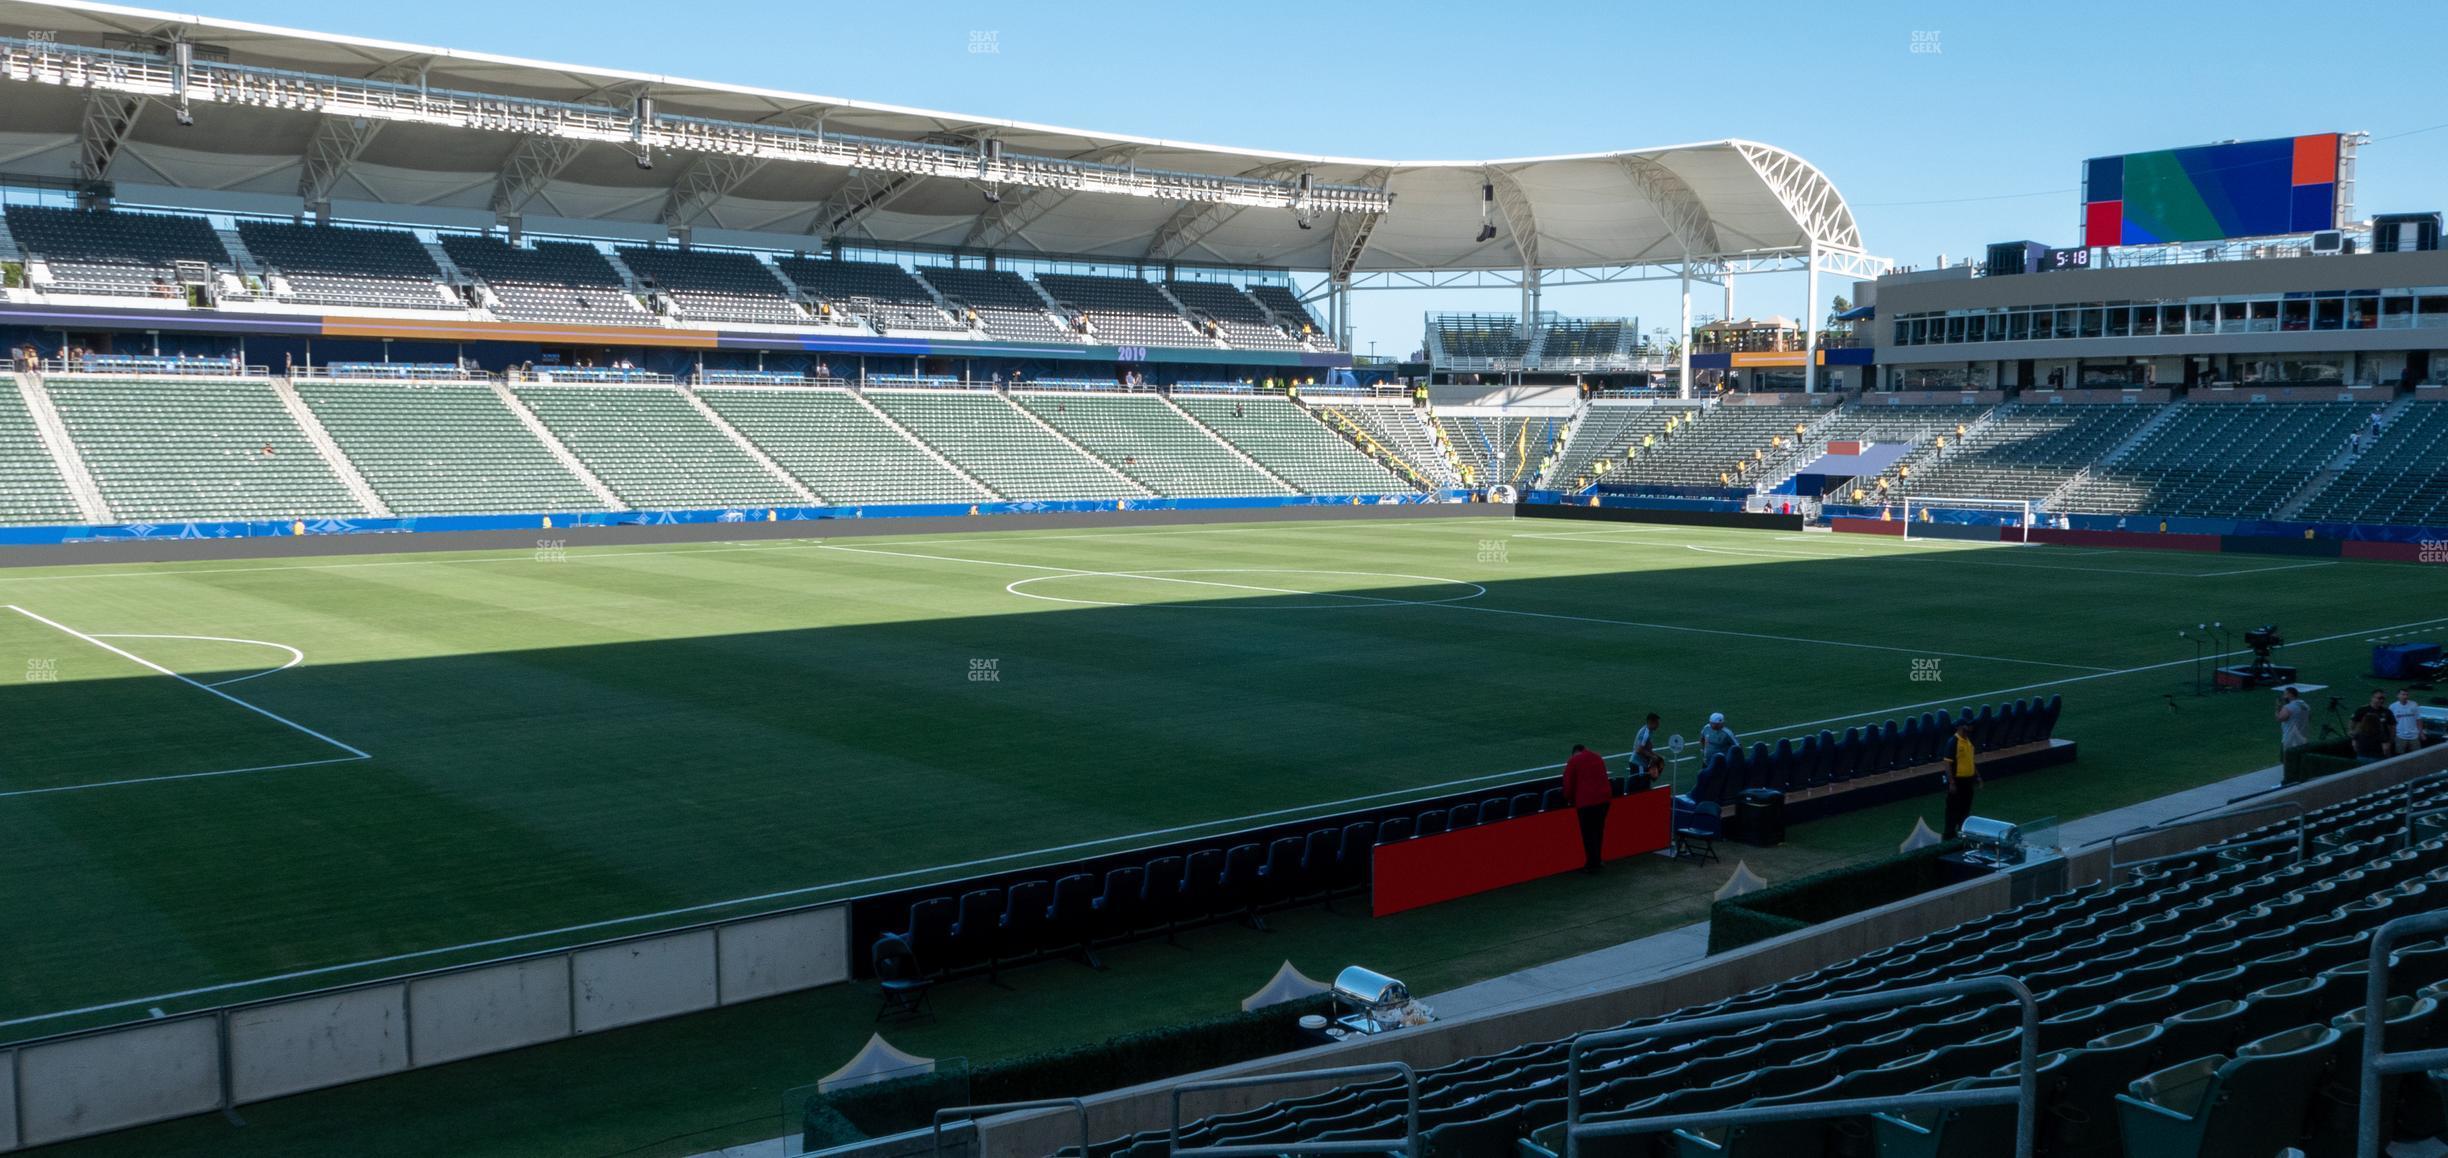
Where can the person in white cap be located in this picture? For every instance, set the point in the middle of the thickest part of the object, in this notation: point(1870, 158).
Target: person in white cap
point(1717, 740)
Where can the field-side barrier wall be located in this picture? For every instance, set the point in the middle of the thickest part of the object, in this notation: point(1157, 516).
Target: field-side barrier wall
point(95, 1081)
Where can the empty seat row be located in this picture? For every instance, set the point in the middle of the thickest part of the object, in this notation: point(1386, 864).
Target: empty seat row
point(1829, 759)
point(1076, 912)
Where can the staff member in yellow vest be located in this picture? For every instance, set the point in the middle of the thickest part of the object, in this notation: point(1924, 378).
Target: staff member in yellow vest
point(1963, 775)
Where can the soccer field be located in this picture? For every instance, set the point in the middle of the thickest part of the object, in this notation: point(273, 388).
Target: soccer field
point(227, 780)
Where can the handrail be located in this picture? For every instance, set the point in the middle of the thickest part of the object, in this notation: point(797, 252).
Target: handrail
point(2377, 1062)
point(1408, 1144)
point(1076, 1105)
point(2025, 1097)
point(2408, 813)
point(2302, 829)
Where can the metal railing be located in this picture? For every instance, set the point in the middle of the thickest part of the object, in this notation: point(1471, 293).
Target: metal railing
point(950, 1113)
point(2300, 839)
point(2408, 813)
point(2378, 1062)
point(1408, 1144)
point(2025, 1097)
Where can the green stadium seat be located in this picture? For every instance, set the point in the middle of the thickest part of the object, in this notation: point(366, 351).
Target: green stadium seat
point(2211, 1106)
point(186, 448)
point(443, 449)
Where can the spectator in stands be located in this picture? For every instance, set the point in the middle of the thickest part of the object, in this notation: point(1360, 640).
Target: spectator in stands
point(2408, 716)
point(2371, 729)
point(1717, 740)
point(1588, 793)
point(2294, 720)
point(1963, 776)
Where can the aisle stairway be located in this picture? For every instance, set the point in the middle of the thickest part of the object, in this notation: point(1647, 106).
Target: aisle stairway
point(843, 451)
point(997, 443)
point(34, 489)
point(1292, 443)
point(443, 448)
point(652, 448)
point(1142, 437)
point(196, 448)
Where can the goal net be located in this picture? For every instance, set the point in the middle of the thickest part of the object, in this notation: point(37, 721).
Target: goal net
point(1923, 512)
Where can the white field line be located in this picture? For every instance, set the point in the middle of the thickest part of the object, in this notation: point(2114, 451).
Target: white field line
point(180, 776)
point(296, 657)
point(132, 657)
point(2264, 570)
point(1782, 730)
point(2156, 574)
point(1476, 590)
point(581, 554)
point(1675, 627)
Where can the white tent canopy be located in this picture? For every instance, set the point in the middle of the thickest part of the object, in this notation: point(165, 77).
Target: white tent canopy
point(1714, 200)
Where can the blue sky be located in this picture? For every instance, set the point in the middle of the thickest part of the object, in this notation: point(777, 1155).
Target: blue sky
point(1938, 152)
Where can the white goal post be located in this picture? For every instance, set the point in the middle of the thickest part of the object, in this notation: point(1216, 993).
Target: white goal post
point(2014, 513)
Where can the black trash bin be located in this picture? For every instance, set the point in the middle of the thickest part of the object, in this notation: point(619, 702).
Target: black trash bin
point(1759, 818)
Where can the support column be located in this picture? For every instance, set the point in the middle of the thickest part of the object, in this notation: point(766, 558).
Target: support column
point(1684, 336)
point(1810, 325)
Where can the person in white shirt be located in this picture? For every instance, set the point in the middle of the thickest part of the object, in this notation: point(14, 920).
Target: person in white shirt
point(2294, 720)
point(2409, 722)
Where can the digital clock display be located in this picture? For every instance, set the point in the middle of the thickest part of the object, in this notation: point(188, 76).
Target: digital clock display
point(2076, 258)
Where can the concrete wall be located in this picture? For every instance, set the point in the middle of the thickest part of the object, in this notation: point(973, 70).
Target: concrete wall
point(88, 1085)
point(643, 980)
point(313, 1042)
point(486, 1010)
point(80, 1084)
point(783, 954)
point(8, 1101)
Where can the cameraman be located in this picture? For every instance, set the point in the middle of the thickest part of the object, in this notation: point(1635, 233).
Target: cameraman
point(2370, 729)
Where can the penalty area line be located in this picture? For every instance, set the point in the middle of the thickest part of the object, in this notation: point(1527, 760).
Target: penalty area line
point(181, 776)
point(199, 685)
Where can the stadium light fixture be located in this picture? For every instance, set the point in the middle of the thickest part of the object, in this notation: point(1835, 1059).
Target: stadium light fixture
point(1487, 211)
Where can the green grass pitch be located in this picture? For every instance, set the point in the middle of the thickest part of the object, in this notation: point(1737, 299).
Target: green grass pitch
point(468, 755)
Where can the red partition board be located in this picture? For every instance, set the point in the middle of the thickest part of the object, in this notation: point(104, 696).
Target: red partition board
point(2144, 540)
point(1868, 527)
point(2393, 552)
point(1425, 870)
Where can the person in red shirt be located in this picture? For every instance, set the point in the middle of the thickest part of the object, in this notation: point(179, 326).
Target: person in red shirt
point(1588, 792)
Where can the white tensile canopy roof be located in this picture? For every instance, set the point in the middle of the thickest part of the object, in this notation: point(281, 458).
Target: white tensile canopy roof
point(1708, 200)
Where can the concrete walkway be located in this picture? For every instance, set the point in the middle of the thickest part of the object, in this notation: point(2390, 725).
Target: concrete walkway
point(1679, 948)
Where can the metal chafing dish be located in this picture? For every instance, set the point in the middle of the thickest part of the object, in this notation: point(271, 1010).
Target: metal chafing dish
point(1997, 843)
point(1377, 1002)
